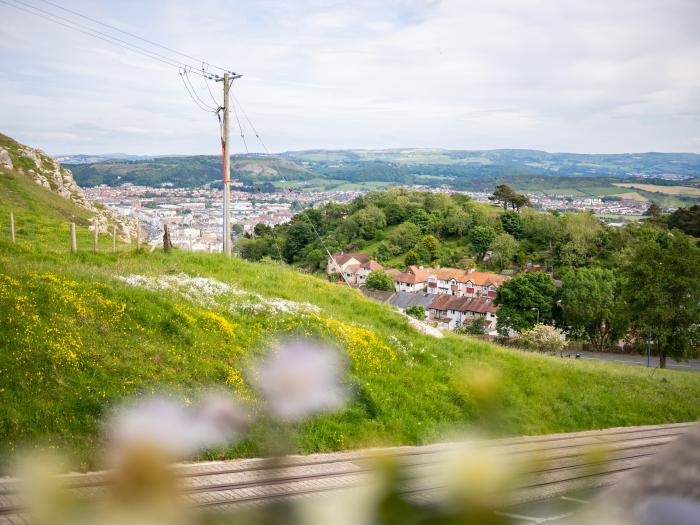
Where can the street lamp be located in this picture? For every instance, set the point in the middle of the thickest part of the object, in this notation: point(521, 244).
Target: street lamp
point(538, 314)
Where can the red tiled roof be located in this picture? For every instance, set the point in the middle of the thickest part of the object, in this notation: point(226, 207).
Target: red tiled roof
point(372, 266)
point(479, 305)
point(414, 275)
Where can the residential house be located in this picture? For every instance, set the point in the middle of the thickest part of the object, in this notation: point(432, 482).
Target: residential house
point(352, 267)
point(339, 261)
point(451, 312)
point(464, 283)
point(356, 274)
point(414, 279)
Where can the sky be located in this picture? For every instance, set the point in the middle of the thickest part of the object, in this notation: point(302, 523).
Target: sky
point(590, 76)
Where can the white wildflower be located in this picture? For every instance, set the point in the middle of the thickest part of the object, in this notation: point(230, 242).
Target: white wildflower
point(174, 428)
point(209, 292)
point(300, 379)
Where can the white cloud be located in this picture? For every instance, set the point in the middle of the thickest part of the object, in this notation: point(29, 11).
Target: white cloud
point(565, 76)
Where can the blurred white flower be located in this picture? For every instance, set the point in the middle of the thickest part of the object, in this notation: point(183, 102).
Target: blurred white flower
point(174, 428)
point(299, 379)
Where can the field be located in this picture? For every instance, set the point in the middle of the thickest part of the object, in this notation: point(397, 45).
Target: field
point(79, 333)
point(670, 190)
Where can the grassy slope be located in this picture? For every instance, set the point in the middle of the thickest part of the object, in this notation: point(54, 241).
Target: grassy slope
point(60, 369)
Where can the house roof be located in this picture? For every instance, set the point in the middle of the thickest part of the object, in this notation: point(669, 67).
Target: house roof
point(393, 272)
point(479, 305)
point(408, 299)
point(413, 275)
point(372, 266)
point(477, 278)
point(352, 268)
point(485, 279)
point(341, 258)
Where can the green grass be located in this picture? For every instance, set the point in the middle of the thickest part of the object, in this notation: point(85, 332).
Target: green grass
point(74, 340)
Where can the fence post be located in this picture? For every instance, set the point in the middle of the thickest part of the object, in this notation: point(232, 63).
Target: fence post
point(95, 236)
point(138, 236)
point(12, 226)
point(73, 240)
point(114, 238)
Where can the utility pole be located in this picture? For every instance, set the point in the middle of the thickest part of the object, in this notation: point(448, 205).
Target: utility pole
point(227, 170)
point(227, 80)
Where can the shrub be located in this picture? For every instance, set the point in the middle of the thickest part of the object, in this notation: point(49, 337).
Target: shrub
point(544, 338)
point(476, 327)
point(379, 280)
point(416, 311)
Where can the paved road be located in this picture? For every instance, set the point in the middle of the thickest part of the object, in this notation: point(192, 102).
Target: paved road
point(634, 359)
point(565, 465)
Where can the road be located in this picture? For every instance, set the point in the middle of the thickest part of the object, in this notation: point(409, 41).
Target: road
point(565, 467)
point(692, 365)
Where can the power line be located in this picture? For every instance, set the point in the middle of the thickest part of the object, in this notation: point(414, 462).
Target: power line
point(194, 92)
point(250, 123)
point(193, 96)
point(132, 35)
point(240, 128)
point(75, 26)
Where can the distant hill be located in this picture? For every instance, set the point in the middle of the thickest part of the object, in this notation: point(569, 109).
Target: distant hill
point(367, 169)
point(93, 159)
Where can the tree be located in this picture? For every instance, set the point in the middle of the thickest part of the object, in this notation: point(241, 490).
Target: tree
point(422, 219)
point(662, 293)
point(382, 253)
point(512, 223)
point(412, 257)
point(506, 196)
point(430, 246)
point(481, 237)
point(417, 311)
point(457, 223)
point(262, 229)
point(521, 297)
point(592, 306)
point(379, 280)
point(519, 200)
point(405, 236)
point(573, 254)
point(300, 234)
point(370, 221)
point(504, 248)
point(544, 338)
point(653, 210)
point(687, 220)
point(502, 195)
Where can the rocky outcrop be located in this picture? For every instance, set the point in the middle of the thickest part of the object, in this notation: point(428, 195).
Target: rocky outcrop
point(48, 173)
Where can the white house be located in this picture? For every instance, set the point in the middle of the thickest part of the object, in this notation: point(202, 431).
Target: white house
point(451, 312)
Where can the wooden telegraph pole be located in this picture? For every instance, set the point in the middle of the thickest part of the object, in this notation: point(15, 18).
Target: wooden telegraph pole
point(228, 81)
point(114, 238)
point(95, 236)
point(12, 227)
point(227, 169)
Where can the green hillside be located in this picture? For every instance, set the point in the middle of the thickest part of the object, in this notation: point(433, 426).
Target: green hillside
point(81, 331)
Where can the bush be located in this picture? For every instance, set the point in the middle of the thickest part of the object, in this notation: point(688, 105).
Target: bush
point(380, 280)
point(544, 338)
point(476, 327)
point(416, 311)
